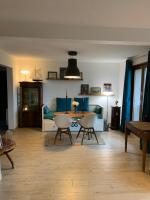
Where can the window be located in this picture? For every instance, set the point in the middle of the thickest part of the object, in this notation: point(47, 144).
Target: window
point(138, 91)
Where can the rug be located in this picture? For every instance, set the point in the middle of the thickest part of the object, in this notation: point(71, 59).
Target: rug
point(50, 136)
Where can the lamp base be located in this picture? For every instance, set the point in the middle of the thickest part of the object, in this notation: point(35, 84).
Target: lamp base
point(106, 126)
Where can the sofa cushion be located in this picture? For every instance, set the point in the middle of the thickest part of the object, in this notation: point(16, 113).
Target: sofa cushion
point(49, 115)
point(83, 103)
point(97, 109)
point(61, 104)
point(46, 110)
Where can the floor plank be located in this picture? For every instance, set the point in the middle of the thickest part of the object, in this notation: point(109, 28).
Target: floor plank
point(88, 172)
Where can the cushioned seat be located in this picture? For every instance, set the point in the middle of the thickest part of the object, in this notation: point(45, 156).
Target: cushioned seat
point(63, 123)
point(87, 127)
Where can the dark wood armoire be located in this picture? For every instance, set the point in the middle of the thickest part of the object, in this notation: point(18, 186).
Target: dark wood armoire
point(31, 100)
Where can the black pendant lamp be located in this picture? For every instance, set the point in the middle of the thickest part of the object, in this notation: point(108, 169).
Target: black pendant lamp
point(72, 71)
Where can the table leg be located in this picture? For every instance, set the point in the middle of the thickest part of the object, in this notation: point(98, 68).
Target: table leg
point(126, 138)
point(144, 154)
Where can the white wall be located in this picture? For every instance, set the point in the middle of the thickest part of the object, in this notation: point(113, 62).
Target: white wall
point(121, 81)
point(140, 59)
point(5, 59)
point(94, 74)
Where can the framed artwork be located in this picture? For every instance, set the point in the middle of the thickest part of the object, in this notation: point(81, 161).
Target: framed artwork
point(52, 75)
point(84, 88)
point(107, 87)
point(62, 72)
point(95, 90)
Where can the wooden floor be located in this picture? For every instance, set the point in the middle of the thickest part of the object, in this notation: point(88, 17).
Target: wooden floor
point(88, 172)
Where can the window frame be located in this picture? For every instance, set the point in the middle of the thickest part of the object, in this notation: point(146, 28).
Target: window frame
point(142, 66)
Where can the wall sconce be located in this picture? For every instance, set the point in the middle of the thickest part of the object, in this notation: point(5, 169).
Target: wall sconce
point(25, 73)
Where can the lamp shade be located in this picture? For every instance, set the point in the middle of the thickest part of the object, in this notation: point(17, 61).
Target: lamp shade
point(72, 70)
point(24, 72)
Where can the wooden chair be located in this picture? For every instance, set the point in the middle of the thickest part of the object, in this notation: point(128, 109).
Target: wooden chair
point(87, 127)
point(63, 123)
point(6, 145)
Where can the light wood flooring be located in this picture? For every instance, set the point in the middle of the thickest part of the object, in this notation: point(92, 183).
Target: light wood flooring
point(88, 172)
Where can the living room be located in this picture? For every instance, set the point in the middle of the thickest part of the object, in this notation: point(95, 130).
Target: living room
point(105, 36)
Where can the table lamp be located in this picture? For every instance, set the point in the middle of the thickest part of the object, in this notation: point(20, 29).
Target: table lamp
point(25, 73)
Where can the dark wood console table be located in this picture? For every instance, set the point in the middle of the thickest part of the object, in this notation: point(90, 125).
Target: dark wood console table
point(141, 130)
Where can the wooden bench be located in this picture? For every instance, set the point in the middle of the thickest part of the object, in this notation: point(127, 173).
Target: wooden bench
point(141, 130)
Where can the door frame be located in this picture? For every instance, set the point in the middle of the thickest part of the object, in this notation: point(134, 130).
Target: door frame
point(10, 97)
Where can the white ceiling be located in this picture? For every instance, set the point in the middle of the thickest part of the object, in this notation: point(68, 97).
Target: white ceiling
point(100, 30)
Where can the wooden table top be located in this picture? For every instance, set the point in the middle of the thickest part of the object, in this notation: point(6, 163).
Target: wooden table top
point(142, 126)
point(140, 129)
point(73, 114)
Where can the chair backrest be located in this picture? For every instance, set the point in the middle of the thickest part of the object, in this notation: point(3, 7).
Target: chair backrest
point(6, 140)
point(62, 121)
point(88, 121)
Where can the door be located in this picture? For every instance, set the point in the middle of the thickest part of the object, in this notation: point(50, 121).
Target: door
point(3, 99)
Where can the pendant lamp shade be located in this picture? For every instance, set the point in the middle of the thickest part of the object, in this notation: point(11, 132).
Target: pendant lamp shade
point(72, 71)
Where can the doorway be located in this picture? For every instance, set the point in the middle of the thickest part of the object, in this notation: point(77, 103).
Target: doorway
point(3, 99)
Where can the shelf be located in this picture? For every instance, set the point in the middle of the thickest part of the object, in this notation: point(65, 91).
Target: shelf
point(95, 95)
point(58, 79)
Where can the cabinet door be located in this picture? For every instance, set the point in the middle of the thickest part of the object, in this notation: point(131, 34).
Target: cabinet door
point(115, 118)
point(28, 119)
point(30, 104)
point(30, 99)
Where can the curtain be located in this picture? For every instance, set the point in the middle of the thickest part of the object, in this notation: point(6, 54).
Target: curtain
point(146, 103)
point(127, 92)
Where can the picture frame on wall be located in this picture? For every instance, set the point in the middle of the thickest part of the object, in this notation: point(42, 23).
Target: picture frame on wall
point(62, 72)
point(52, 75)
point(85, 89)
point(95, 90)
point(107, 87)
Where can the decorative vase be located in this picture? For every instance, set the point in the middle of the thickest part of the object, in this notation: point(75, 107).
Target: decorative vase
point(75, 109)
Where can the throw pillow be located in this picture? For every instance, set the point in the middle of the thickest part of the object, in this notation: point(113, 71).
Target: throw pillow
point(49, 115)
point(46, 109)
point(62, 103)
point(83, 103)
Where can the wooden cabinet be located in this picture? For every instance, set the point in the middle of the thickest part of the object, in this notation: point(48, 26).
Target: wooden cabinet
point(115, 118)
point(31, 100)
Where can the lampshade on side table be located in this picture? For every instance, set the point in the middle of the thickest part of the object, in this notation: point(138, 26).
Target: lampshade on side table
point(115, 118)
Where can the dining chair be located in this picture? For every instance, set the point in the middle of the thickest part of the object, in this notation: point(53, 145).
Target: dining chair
point(7, 145)
point(87, 127)
point(63, 123)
